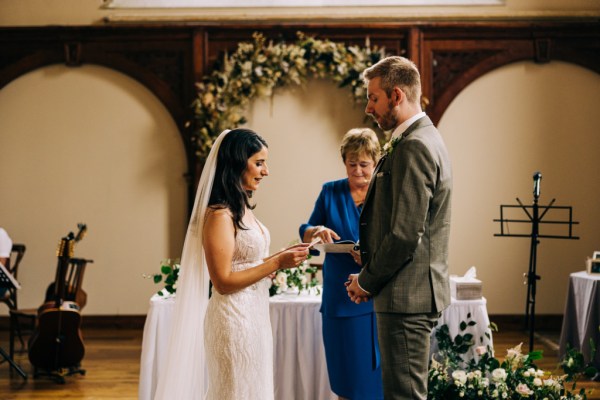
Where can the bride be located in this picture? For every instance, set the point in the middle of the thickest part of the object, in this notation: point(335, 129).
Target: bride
point(222, 348)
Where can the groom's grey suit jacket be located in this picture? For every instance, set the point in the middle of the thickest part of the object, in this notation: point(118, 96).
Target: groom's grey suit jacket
point(405, 225)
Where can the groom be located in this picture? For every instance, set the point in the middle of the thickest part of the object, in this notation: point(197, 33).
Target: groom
point(404, 229)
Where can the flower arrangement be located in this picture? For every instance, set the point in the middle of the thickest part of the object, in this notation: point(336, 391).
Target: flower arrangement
point(517, 377)
point(294, 278)
point(257, 68)
point(169, 270)
point(388, 147)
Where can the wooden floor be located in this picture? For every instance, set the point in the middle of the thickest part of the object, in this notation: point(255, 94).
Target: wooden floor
point(112, 365)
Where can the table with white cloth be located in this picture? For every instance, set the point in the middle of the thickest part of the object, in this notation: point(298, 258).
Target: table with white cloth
point(581, 319)
point(300, 369)
point(464, 311)
point(157, 329)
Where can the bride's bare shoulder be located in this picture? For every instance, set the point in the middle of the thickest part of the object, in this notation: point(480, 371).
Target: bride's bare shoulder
point(218, 212)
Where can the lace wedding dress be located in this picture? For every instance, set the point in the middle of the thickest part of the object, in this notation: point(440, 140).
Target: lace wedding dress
point(237, 328)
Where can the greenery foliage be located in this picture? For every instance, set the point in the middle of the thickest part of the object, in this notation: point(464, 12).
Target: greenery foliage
point(296, 279)
point(453, 376)
point(259, 67)
point(169, 272)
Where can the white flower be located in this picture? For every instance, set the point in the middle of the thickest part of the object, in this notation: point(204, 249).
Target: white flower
point(460, 377)
point(499, 375)
point(389, 146)
point(537, 382)
point(539, 373)
point(281, 278)
point(480, 350)
point(523, 390)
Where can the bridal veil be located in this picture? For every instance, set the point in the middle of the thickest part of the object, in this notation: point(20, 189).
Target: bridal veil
point(184, 374)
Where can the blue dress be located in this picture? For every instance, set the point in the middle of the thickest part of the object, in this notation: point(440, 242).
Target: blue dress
point(349, 330)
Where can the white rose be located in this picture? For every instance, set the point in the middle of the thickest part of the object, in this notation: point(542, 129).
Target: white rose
point(460, 377)
point(480, 350)
point(499, 375)
point(523, 390)
point(537, 382)
point(281, 278)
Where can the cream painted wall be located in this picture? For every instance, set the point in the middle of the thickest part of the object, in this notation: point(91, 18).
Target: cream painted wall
point(304, 129)
point(91, 145)
point(135, 203)
point(499, 130)
point(85, 12)
point(502, 128)
point(110, 155)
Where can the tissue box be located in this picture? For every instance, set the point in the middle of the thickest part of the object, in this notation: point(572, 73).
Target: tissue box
point(462, 288)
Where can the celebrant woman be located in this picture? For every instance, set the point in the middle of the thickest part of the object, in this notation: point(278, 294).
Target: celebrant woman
point(222, 348)
point(349, 330)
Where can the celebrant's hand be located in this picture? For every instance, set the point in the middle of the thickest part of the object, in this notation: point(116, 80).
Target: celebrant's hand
point(325, 234)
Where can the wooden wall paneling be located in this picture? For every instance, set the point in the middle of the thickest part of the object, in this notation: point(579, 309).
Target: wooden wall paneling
point(170, 58)
point(452, 56)
point(226, 38)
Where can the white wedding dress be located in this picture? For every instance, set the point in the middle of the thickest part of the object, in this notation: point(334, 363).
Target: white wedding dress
point(237, 328)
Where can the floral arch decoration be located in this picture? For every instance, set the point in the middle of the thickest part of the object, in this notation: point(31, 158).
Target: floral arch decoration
point(257, 68)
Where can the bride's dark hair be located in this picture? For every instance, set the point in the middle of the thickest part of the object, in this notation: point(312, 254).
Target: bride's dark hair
point(232, 160)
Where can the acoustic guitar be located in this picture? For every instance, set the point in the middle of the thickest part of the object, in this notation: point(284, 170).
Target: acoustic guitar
point(74, 277)
point(57, 342)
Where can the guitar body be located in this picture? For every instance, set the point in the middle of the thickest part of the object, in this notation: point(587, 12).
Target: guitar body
point(57, 343)
point(80, 296)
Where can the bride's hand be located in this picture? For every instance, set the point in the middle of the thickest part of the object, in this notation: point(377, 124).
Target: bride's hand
point(293, 256)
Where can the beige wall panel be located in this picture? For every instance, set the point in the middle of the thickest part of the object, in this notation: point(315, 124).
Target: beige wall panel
point(514, 121)
point(91, 145)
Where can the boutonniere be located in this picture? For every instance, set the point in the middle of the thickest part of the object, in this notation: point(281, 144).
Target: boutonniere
point(389, 146)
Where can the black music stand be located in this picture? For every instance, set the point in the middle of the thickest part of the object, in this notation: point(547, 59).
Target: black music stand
point(9, 282)
point(535, 219)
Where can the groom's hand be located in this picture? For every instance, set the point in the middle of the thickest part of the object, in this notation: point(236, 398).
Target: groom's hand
point(356, 294)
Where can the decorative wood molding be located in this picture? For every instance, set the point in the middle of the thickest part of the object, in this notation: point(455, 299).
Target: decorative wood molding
point(169, 58)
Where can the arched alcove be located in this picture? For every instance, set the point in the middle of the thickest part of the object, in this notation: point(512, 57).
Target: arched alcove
point(91, 145)
point(303, 128)
point(509, 123)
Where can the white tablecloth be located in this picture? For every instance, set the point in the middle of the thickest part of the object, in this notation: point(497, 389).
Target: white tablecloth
point(457, 312)
point(582, 315)
point(300, 370)
point(300, 367)
point(154, 345)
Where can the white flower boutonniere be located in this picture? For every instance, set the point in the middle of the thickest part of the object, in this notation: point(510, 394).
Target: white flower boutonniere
point(389, 146)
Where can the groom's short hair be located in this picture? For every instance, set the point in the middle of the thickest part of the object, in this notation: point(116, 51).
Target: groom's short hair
point(396, 71)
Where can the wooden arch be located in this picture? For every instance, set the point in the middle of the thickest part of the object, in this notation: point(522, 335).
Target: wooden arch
point(169, 58)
